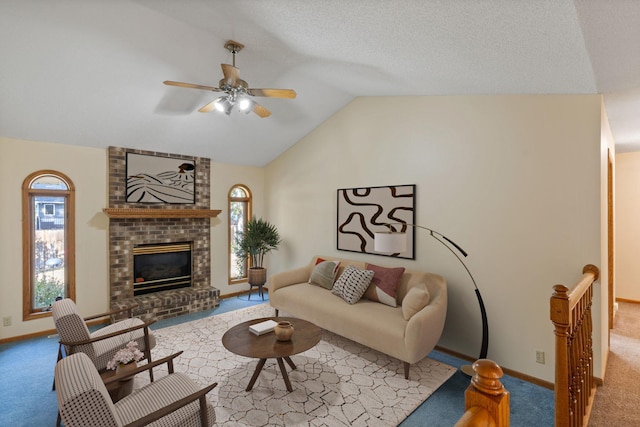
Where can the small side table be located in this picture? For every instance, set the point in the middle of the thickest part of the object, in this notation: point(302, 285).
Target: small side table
point(118, 389)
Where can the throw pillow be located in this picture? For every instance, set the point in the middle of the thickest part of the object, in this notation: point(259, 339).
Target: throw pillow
point(384, 286)
point(324, 273)
point(416, 299)
point(352, 283)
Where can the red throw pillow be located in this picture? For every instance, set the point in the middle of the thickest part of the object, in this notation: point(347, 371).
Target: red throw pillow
point(384, 286)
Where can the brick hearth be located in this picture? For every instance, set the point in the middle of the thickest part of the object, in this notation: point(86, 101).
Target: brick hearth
point(126, 233)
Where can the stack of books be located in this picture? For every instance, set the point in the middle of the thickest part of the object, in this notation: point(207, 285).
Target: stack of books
point(263, 327)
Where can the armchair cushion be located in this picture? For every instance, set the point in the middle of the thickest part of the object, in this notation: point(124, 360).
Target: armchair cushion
point(104, 350)
point(161, 393)
point(83, 399)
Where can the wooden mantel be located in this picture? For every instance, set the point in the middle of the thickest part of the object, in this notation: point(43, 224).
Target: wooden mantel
point(160, 213)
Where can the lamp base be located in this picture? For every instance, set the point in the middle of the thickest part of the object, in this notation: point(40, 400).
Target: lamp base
point(467, 370)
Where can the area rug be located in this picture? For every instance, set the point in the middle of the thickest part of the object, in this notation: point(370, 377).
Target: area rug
point(336, 383)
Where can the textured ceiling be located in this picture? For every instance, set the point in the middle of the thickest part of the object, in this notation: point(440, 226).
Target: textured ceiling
point(90, 72)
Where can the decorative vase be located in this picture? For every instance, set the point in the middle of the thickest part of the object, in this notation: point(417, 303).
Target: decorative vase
point(125, 386)
point(283, 330)
point(121, 368)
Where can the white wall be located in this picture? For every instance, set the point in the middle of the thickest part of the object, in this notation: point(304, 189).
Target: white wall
point(515, 180)
point(87, 168)
point(627, 190)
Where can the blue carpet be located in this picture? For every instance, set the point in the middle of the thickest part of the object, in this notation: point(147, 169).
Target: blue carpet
point(26, 398)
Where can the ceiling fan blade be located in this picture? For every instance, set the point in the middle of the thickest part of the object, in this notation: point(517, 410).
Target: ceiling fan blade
point(261, 111)
point(209, 107)
point(273, 93)
point(191, 86)
point(231, 74)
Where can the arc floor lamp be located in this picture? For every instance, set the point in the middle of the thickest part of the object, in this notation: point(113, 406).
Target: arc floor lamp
point(395, 242)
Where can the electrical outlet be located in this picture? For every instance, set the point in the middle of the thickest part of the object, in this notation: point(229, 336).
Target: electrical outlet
point(6, 321)
point(540, 357)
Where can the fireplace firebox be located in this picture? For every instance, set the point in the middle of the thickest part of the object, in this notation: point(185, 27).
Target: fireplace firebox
point(161, 267)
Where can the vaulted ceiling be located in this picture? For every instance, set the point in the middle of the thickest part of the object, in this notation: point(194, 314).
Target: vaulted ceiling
point(90, 72)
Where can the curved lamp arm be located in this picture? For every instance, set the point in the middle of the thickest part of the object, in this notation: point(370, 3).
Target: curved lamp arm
point(442, 238)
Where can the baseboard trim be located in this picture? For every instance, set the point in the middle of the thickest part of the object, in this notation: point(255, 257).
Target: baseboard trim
point(631, 301)
point(510, 372)
point(46, 333)
point(237, 294)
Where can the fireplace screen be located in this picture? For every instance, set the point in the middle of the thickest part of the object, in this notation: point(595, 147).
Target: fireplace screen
point(161, 267)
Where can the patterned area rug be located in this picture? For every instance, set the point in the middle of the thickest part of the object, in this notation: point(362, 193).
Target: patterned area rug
point(337, 383)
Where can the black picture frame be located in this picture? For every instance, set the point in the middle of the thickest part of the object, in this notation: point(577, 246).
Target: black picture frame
point(365, 210)
point(160, 179)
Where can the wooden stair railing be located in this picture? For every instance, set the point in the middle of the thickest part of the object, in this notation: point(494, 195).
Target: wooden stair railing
point(571, 316)
point(486, 399)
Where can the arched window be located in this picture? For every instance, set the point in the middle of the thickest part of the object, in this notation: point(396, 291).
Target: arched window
point(48, 234)
point(239, 214)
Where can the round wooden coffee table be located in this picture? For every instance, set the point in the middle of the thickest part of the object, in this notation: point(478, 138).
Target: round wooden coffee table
point(241, 341)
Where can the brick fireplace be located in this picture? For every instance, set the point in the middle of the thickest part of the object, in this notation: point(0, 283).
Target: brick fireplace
point(136, 225)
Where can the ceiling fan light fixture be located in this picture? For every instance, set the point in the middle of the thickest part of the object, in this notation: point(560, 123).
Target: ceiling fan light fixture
point(245, 104)
point(223, 105)
point(239, 96)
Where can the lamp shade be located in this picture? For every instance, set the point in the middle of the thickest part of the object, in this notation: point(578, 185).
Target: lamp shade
point(390, 242)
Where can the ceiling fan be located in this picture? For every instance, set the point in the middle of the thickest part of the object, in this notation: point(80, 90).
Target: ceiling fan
point(237, 91)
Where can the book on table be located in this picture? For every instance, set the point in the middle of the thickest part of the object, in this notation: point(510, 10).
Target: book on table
point(263, 327)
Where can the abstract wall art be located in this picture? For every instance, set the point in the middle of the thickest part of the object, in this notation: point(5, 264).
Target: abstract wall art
point(155, 179)
point(364, 211)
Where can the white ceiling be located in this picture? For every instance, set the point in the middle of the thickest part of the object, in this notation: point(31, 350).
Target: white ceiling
point(90, 72)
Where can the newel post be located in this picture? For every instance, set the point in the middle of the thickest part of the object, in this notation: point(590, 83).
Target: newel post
point(486, 391)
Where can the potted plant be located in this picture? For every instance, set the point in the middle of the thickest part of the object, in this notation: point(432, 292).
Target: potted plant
point(258, 239)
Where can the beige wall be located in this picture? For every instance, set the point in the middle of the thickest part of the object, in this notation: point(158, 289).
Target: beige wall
point(223, 177)
point(515, 180)
point(600, 305)
point(627, 226)
point(87, 168)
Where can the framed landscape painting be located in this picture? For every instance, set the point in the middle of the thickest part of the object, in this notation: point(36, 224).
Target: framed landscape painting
point(364, 211)
point(154, 179)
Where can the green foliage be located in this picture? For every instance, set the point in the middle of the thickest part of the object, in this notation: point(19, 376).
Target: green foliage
point(46, 290)
point(258, 239)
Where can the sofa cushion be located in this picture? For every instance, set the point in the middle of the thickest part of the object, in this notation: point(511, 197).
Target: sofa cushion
point(384, 285)
point(324, 273)
point(416, 299)
point(352, 284)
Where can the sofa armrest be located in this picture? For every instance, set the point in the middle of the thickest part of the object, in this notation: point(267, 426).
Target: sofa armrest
point(286, 278)
point(424, 329)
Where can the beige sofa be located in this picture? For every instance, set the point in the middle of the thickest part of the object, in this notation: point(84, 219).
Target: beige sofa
point(378, 326)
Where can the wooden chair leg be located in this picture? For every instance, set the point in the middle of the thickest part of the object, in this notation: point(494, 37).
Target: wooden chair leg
point(147, 350)
point(53, 386)
point(407, 365)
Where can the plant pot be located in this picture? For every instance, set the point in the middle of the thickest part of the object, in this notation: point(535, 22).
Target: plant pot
point(257, 276)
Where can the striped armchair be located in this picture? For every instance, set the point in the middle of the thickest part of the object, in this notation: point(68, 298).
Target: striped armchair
point(101, 345)
point(173, 400)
